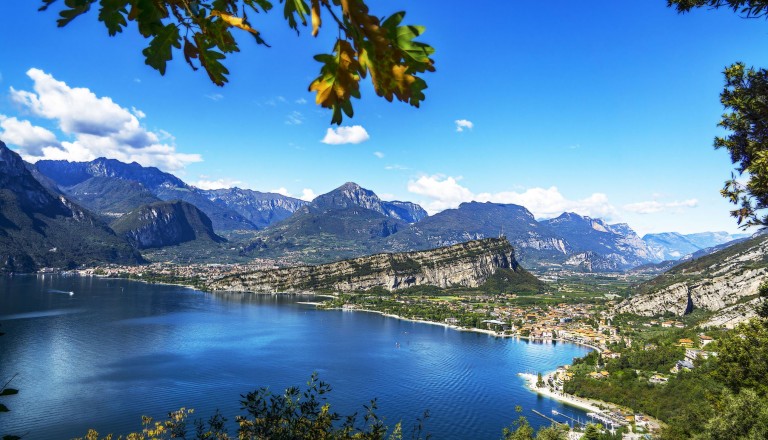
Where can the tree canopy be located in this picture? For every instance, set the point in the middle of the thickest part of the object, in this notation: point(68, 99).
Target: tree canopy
point(201, 30)
point(748, 8)
point(745, 99)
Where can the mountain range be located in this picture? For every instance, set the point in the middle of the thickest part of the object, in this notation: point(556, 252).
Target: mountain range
point(141, 204)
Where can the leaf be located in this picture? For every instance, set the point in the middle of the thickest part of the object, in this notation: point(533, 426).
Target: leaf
point(9, 392)
point(190, 52)
point(292, 9)
point(237, 22)
point(209, 59)
point(113, 13)
point(76, 9)
point(316, 21)
point(160, 51)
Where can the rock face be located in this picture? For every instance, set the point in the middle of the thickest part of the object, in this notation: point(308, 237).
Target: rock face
point(260, 208)
point(40, 228)
point(467, 264)
point(716, 282)
point(351, 195)
point(673, 246)
point(164, 224)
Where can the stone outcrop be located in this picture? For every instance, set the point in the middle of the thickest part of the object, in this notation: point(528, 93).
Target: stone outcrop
point(467, 264)
point(725, 282)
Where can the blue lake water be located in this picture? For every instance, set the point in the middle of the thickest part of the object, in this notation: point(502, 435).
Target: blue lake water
point(115, 350)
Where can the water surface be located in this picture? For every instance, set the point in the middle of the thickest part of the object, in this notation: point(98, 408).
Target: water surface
point(114, 350)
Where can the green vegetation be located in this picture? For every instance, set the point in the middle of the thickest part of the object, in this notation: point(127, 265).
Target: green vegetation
point(202, 32)
point(5, 392)
point(722, 397)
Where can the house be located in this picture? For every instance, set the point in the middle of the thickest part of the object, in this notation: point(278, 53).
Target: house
point(658, 379)
point(704, 340)
point(451, 321)
point(685, 342)
point(611, 354)
point(684, 365)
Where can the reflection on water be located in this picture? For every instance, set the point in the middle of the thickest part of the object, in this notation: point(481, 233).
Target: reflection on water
point(116, 350)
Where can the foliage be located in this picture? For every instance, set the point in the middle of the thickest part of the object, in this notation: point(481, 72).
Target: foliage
point(748, 8)
point(743, 357)
point(4, 392)
point(739, 416)
point(294, 415)
point(762, 310)
point(746, 97)
point(384, 48)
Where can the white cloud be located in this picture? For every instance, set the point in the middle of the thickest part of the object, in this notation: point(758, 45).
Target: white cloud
point(654, 206)
point(462, 124)
point(216, 184)
point(445, 192)
point(307, 194)
point(378, 154)
point(294, 118)
point(100, 127)
point(346, 135)
point(396, 167)
point(215, 97)
point(301, 101)
point(26, 136)
point(282, 191)
point(138, 113)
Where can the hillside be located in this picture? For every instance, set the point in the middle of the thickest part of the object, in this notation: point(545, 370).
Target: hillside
point(724, 282)
point(469, 264)
point(165, 224)
point(41, 229)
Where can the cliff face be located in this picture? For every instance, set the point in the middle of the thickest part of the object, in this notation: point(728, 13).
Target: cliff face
point(722, 282)
point(467, 264)
point(165, 224)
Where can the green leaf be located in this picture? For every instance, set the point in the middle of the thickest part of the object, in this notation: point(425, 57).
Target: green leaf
point(76, 9)
point(294, 8)
point(160, 51)
point(9, 392)
point(113, 13)
point(210, 61)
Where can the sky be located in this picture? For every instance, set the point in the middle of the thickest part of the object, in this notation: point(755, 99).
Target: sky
point(606, 109)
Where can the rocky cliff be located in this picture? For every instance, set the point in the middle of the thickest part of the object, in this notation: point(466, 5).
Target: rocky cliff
point(164, 224)
point(467, 264)
point(41, 228)
point(721, 282)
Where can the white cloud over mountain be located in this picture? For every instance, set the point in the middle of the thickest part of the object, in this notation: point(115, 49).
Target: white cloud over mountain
point(444, 192)
point(98, 125)
point(654, 206)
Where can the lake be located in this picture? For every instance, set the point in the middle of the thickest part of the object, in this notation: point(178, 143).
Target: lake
point(115, 350)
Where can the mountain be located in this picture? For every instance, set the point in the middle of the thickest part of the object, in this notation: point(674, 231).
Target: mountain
point(39, 228)
point(468, 265)
point(607, 247)
point(353, 195)
point(348, 222)
point(725, 283)
point(165, 224)
point(474, 220)
point(111, 197)
point(71, 176)
point(672, 245)
point(261, 209)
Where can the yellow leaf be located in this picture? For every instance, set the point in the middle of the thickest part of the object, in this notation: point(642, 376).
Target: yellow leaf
point(316, 22)
point(235, 21)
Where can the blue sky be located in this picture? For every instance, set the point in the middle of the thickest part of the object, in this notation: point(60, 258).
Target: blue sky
point(604, 108)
